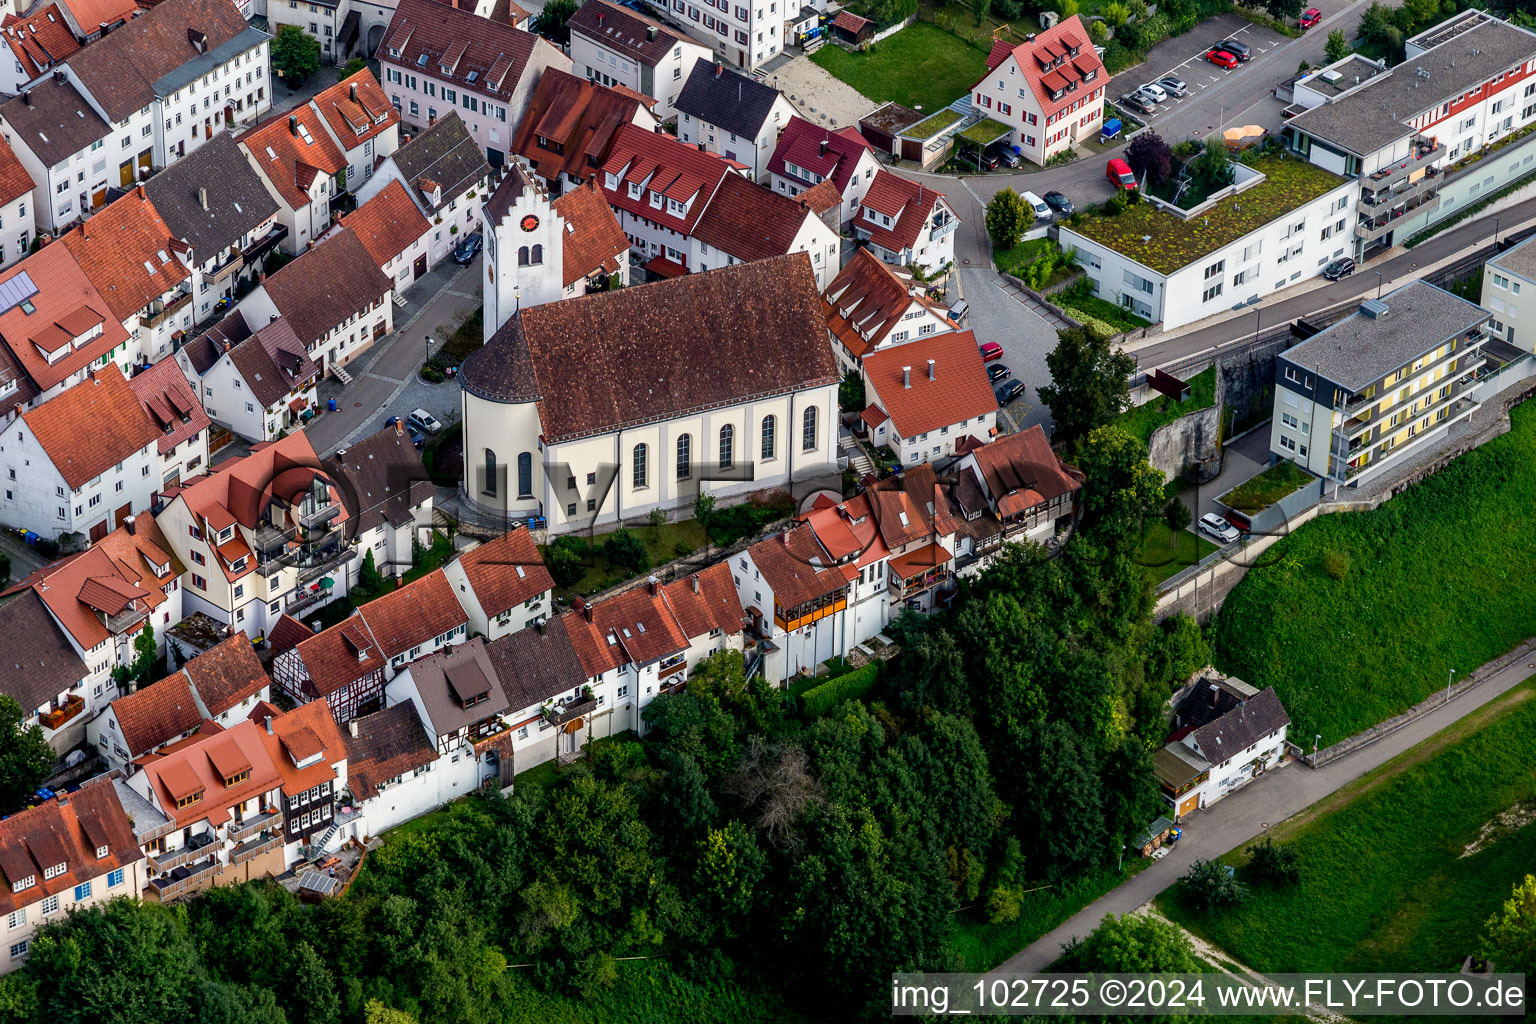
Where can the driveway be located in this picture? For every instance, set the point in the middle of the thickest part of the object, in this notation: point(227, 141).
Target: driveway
point(1241, 460)
point(999, 314)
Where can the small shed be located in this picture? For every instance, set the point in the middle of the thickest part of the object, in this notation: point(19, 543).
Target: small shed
point(851, 30)
point(881, 126)
point(1153, 836)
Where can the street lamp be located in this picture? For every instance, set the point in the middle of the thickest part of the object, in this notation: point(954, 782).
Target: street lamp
point(1378, 284)
point(1448, 678)
point(1495, 231)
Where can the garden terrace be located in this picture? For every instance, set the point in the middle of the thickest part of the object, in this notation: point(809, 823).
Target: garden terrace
point(1276, 482)
point(1175, 243)
point(931, 126)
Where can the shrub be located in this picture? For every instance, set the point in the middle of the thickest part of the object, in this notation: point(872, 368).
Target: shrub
point(1273, 865)
point(1212, 885)
point(624, 548)
point(1115, 13)
point(818, 700)
point(566, 559)
point(1177, 514)
point(1336, 563)
point(1007, 218)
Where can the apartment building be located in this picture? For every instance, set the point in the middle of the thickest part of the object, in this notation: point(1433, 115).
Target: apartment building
point(167, 396)
point(570, 124)
point(907, 224)
point(621, 48)
point(808, 155)
point(503, 585)
point(261, 382)
point(1505, 277)
point(1049, 90)
point(50, 681)
point(389, 495)
point(443, 170)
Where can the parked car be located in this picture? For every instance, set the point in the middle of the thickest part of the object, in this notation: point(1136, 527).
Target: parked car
point(997, 372)
point(1119, 174)
point(1339, 268)
point(1042, 211)
point(423, 421)
point(1219, 528)
point(1235, 48)
point(1222, 58)
point(1058, 202)
point(990, 351)
point(1311, 16)
point(1154, 92)
point(417, 437)
point(988, 160)
point(1009, 391)
point(1005, 154)
point(466, 249)
point(1138, 102)
point(1174, 86)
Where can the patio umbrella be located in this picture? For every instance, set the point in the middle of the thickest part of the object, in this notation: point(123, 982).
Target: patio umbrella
point(1242, 137)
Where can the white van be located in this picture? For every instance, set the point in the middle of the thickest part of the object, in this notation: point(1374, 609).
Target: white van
point(1042, 212)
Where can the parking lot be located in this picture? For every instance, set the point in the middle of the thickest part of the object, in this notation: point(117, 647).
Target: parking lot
point(1185, 58)
point(997, 315)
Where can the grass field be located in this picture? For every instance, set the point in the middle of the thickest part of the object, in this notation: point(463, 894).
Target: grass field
point(664, 543)
point(1162, 558)
point(1442, 577)
point(982, 946)
point(1142, 420)
point(1384, 884)
point(921, 67)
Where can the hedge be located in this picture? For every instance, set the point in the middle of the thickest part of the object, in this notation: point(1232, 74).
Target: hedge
point(856, 684)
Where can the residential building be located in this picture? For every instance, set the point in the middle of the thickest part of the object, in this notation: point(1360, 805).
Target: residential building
point(392, 770)
point(57, 135)
point(569, 127)
point(310, 756)
point(38, 41)
point(750, 402)
point(808, 154)
point(732, 114)
point(341, 666)
point(388, 496)
point(1032, 492)
point(395, 234)
point(743, 222)
point(215, 202)
point(929, 398)
point(502, 585)
point(17, 218)
point(1281, 221)
point(171, 403)
point(1368, 391)
point(871, 305)
point(334, 297)
point(1504, 276)
point(259, 383)
point(444, 172)
point(213, 691)
point(91, 19)
point(617, 46)
point(304, 170)
point(539, 251)
point(83, 462)
point(44, 674)
point(260, 535)
point(437, 58)
point(67, 854)
point(1405, 134)
point(1049, 90)
point(362, 121)
point(552, 703)
point(1226, 734)
point(907, 224)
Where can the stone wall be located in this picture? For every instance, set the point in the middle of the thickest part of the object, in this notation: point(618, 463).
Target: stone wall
point(1189, 444)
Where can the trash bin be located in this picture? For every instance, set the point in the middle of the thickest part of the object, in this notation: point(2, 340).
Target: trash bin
point(330, 404)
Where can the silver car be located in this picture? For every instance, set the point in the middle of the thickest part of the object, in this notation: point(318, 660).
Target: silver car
point(1174, 86)
point(1219, 528)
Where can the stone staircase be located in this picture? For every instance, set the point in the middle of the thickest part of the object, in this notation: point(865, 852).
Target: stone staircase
point(341, 374)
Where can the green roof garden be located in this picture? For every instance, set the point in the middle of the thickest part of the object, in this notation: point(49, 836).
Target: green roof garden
point(928, 127)
point(1173, 244)
point(985, 132)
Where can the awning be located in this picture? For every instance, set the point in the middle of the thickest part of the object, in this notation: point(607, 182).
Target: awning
point(297, 405)
point(663, 267)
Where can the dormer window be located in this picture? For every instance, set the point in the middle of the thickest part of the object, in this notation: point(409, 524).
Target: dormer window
point(1090, 74)
point(655, 198)
point(230, 782)
point(102, 851)
point(54, 871)
point(25, 883)
point(188, 801)
point(226, 533)
point(634, 190)
point(238, 565)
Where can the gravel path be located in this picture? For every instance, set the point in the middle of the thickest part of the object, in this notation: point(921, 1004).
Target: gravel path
point(818, 96)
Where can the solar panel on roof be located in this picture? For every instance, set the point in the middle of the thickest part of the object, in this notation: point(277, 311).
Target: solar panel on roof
point(16, 290)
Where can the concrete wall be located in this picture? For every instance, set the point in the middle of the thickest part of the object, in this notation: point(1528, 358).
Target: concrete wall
point(1192, 441)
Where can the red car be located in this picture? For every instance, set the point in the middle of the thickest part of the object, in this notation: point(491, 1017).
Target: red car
point(1223, 58)
point(1119, 174)
point(1311, 17)
point(990, 351)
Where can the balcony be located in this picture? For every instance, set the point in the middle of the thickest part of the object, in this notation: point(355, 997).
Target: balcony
point(183, 880)
point(1373, 227)
point(318, 516)
point(259, 248)
point(563, 713)
point(239, 831)
point(1386, 197)
point(164, 863)
point(56, 718)
point(229, 261)
point(1424, 152)
point(255, 848)
point(126, 619)
point(160, 311)
point(928, 579)
point(944, 227)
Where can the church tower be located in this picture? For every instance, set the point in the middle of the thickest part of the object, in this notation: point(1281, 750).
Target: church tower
point(524, 247)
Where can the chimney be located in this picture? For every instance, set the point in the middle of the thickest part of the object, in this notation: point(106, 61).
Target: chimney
point(314, 624)
point(351, 727)
point(823, 148)
point(601, 17)
point(540, 625)
point(701, 147)
point(202, 196)
point(26, 97)
point(293, 124)
point(906, 376)
point(652, 585)
point(341, 456)
point(128, 522)
point(353, 92)
point(399, 426)
point(719, 70)
point(650, 33)
point(1215, 694)
point(696, 583)
point(930, 370)
point(269, 724)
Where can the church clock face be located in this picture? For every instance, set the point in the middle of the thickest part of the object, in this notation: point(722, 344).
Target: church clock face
point(529, 223)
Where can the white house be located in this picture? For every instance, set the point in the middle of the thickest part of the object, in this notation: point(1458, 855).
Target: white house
point(172, 404)
point(52, 683)
point(1504, 277)
point(256, 384)
point(929, 398)
point(304, 170)
point(1226, 734)
point(444, 172)
point(389, 496)
point(616, 46)
point(362, 121)
point(1049, 90)
point(502, 585)
point(907, 224)
point(460, 701)
point(395, 234)
point(808, 154)
point(733, 115)
point(871, 305)
point(750, 401)
point(393, 771)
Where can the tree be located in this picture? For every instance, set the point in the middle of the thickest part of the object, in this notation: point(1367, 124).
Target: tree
point(553, 18)
point(1285, 10)
point(1135, 944)
point(704, 509)
point(625, 549)
point(1149, 155)
point(1212, 168)
point(566, 559)
point(5, 568)
point(353, 66)
point(1007, 218)
point(1177, 516)
point(1067, 8)
point(311, 988)
point(1210, 885)
point(1089, 383)
point(295, 55)
point(375, 1012)
point(1115, 13)
point(26, 759)
point(980, 9)
point(370, 582)
point(1511, 941)
point(1337, 46)
point(145, 658)
point(1122, 491)
point(1269, 864)
point(850, 393)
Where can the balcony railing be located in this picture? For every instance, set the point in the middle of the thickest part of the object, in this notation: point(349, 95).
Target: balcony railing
point(198, 845)
point(560, 714)
point(927, 580)
point(324, 514)
point(255, 848)
point(265, 244)
point(1375, 227)
point(1425, 151)
point(184, 879)
point(239, 831)
point(943, 228)
point(56, 718)
point(155, 319)
point(126, 619)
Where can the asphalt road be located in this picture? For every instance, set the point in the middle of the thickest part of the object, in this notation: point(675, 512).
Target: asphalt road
point(1251, 811)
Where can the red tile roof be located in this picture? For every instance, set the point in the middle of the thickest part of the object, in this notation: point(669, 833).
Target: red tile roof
point(850, 22)
point(920, 560)
point(157, 714)
point(906, 202)
point(594, 241)
point(297, 735)
point(414, 614)
point(800, 143)
point(797, 567)
point(621, 29)
point(290, 161)
point(238, 490)
point(577, 115)
point(66, 296)
point(128, 253)
point(661, 164)
point(40, 40)
point(356, 109)
point(485, 56)
point(640, 625)
point(167, 397)
point(865, 302)
point(959, 390)
point(750, 222)
point(1024, 461)
point(705, 601)
point(387, 745)
point(198, 767)
point(388, 223)
point(505, 572)
point(91, 15)
point(227, 674)
point(1038, 61)
point(91, 427)
point(847, 528)
point(820, 198)
point(72, 830)
point(338, 656)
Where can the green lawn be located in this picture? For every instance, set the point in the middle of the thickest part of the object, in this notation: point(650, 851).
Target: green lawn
point(1078, 301)
point(1162, 557)
point(1262, 491)
point(1385, 886)
point(981, 946)
point(1442, 577)
point(664, 543)
point(921, 67)
point(1143, 419)
point(1014, 260)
